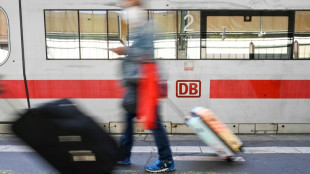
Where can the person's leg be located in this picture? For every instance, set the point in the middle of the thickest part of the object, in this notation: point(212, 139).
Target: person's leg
point(162, 142)
point(165, 162)
point(126, 140)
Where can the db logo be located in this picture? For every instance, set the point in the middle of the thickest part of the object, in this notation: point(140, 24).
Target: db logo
point(188, 88)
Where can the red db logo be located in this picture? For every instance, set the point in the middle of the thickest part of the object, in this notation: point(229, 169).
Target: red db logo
point(188, 88)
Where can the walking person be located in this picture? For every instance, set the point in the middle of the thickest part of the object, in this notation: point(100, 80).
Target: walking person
point(142, 49)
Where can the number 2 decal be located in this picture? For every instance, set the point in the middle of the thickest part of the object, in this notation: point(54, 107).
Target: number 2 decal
point(190, 22)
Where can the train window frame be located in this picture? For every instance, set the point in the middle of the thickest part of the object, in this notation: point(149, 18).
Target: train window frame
point(79, 33)
point(45, 28)
point(8, 37)
point(290, 31)
point(188, 20)
point(107, 37)
point(297, 36)
point(175, 27)
point(120, 38)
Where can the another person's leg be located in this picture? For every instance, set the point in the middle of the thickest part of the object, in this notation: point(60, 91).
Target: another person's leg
point(126, 140)
point(165, 162)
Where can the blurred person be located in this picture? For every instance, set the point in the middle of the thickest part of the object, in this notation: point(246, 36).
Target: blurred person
point(141, 50)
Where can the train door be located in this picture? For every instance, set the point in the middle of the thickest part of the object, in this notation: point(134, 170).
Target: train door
point(11, 63)
point(247, 34)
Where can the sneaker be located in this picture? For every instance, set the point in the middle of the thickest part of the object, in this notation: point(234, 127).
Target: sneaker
point(126, 161)
point(160, 166)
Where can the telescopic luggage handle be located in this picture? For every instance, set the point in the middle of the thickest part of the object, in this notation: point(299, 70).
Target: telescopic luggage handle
point(175, 107)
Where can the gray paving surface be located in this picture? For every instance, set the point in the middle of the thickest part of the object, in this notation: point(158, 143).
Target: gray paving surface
point(256, 163)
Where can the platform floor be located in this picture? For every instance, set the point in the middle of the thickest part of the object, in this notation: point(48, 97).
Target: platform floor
point(263, 154)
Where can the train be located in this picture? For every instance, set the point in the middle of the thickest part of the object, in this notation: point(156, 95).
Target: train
point(247, 61)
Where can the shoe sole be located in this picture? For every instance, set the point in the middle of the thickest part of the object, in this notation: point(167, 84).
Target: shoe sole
point(158, 171)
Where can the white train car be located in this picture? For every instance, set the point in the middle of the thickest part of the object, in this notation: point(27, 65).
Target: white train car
point(248, 61)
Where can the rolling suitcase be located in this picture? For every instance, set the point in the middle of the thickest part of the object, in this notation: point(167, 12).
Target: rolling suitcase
point(213, 132)
point(70, 141)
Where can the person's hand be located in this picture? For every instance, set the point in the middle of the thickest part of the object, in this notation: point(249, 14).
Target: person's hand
point(120, 50)
point(187, 117)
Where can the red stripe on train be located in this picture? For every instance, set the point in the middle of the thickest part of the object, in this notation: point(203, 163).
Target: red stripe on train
point(256, 89)
point(42, 89)
point(39, 89)
point(260, 89)
point(13, 89)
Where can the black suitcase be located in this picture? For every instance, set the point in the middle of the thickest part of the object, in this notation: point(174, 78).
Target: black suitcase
point(72, 142)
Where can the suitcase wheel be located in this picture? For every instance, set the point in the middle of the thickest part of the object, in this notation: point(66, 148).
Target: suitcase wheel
point(229, 159)
point(241, 149)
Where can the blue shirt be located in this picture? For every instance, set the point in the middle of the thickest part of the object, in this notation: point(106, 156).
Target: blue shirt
point(141, 50)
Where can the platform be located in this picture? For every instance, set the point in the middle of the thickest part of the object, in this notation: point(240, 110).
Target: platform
point(262, 154)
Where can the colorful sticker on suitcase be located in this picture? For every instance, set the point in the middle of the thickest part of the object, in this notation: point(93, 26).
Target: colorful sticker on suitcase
point(219, 128)
point(209, 137)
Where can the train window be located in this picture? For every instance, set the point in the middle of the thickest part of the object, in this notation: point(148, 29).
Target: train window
point(4, 41)
point(189, 35)
point(274, 42)
point(118, 32)
point(165, 23)
point(302, 35)
point(179, 34)
point(62, 34)
point(93, 34)
point(246, 37)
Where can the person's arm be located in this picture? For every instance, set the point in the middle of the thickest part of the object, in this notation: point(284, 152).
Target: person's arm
point(120, 50)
